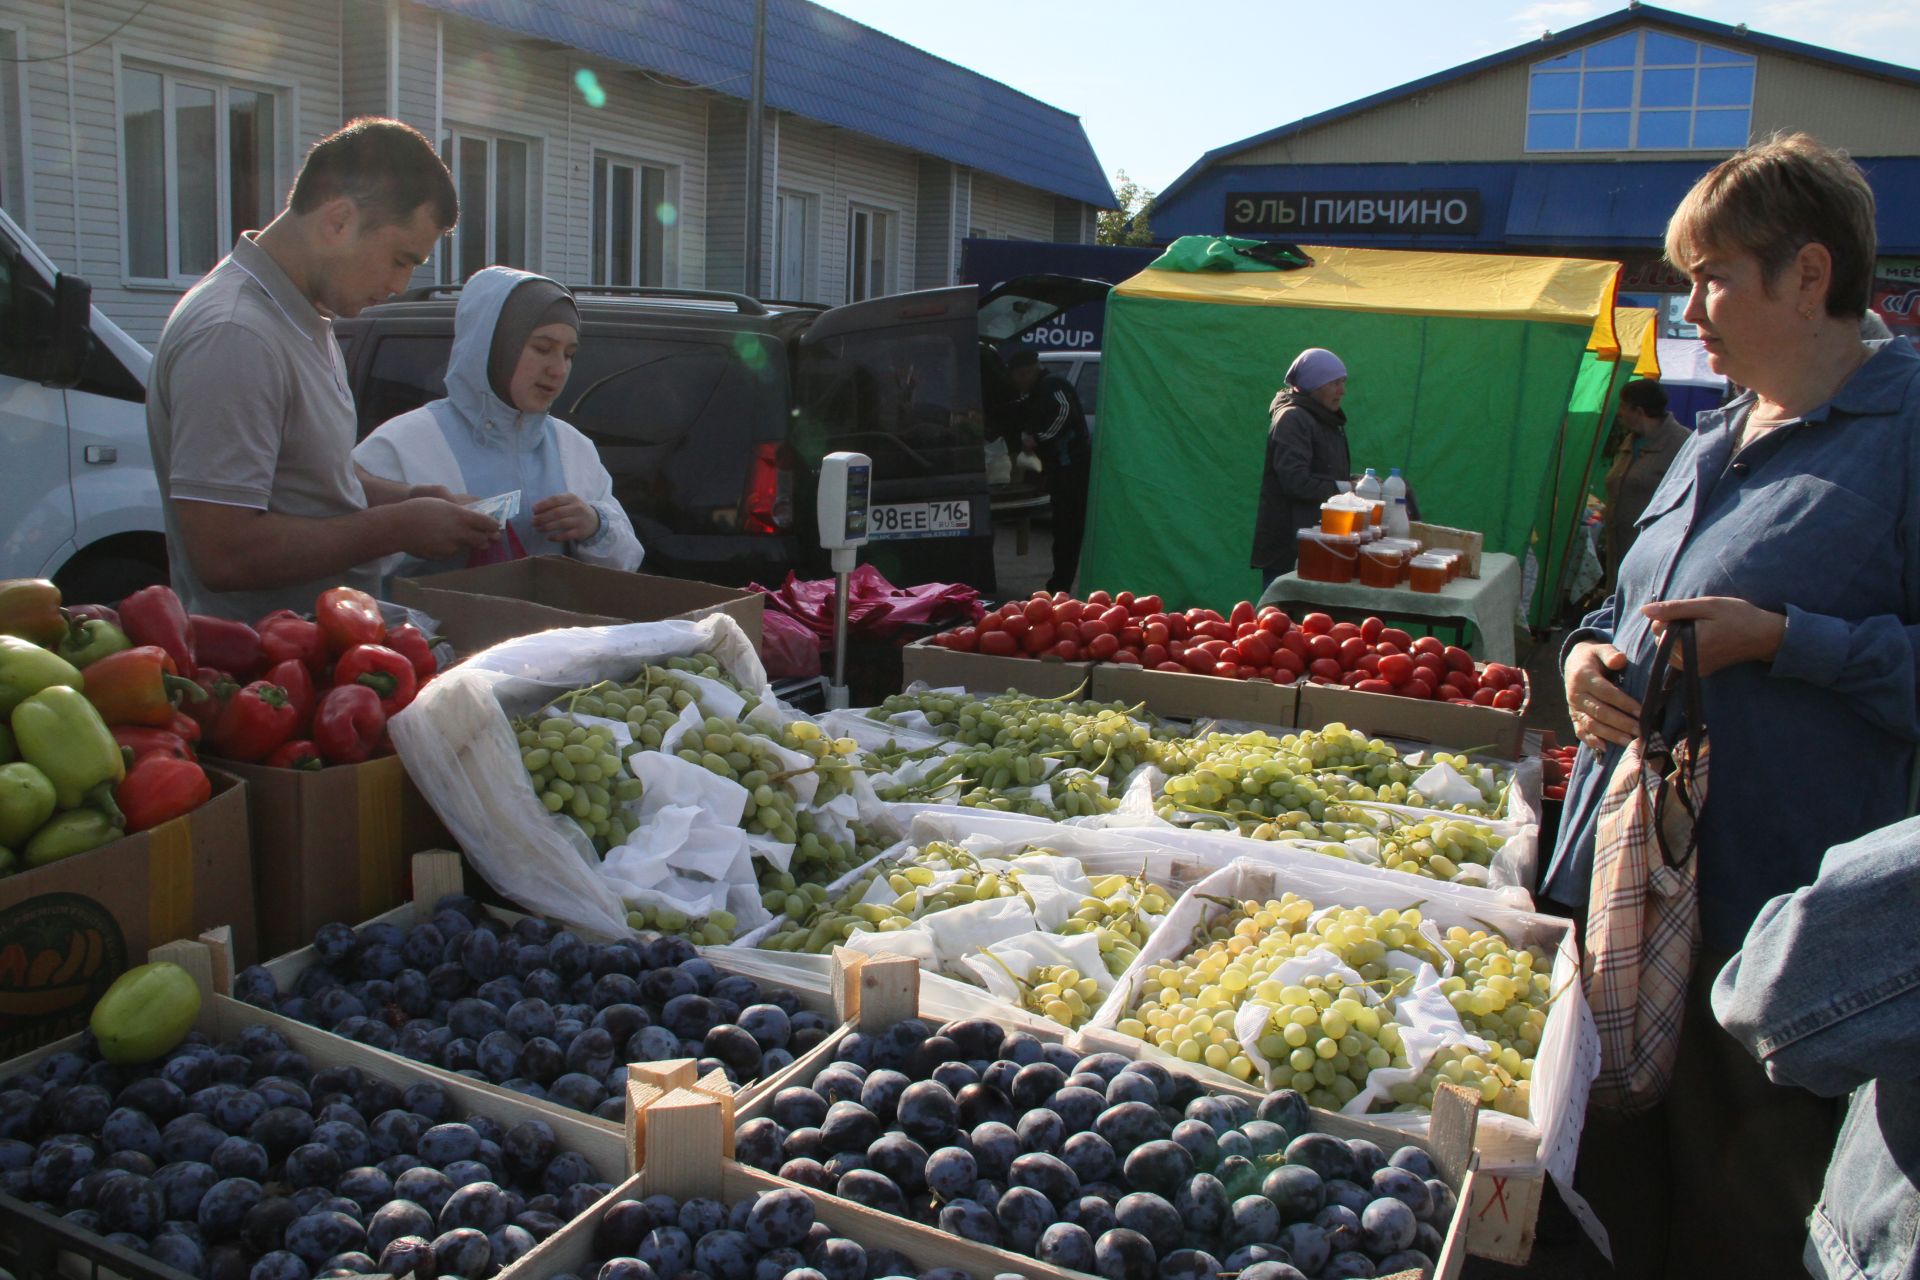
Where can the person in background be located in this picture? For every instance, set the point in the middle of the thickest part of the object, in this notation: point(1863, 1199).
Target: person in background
point(514, 339)
point(249, 415)
point(1788, 532)
point(1827, 999)
point(1307, 458)
point(1653, 440)
point(1054, 427)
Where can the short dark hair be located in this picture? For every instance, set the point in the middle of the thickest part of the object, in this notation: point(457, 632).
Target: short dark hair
point(1646, 395)
point(387, 168)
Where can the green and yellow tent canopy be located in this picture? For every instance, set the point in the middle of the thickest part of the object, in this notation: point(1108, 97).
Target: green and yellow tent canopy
point(1462, 368)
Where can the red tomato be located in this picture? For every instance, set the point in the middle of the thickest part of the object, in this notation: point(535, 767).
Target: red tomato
point(1103, 646)
point(1396, 668)
point(1382, 648)
point(1170, 666)
point(1125, 658)
point(1039, 638)
point(1316, 624)
point(1394, 635)
point(1509, 699)
point(1156, 633)
point(1296, 642)
point(1352, 649)
point(1289, 662)
point(1434, 663)
point(1494, 677)
point(1153, 655)
point(1325, 668)
point(1484, 697)
point(1199, 661)
point(1283, 676)
point(1429, 644)
point(1061, 597)
point(1100, 598)
point(1177, 650)
point(1352, 678)
point(1039, 611)
point(1227, 670)
point(1212, 648)
point(1458, 659)
point(1214, 630)
point(1132, 637)
point(965, 639)
point(1116, 617)
point(1205, 615)
point(998, 643)
point(1233, 653)
point(1066, 651)
point(1372, 686)
point(1369, 664)
point(1146, 604)
point(1461, 682)
point(1177, 623)
point(1370, 630)
point(1091, 627)
point(1016, 624)
point(1344, 630)
point(1277, 624)
point(1124, 599)
point(1069, 631)
point(1257, 647)
point(1069, 611)
point(1241, 612)
point(1322, 645)
point(1416, 689)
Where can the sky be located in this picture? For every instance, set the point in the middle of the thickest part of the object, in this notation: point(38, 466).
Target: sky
point(1158, 84)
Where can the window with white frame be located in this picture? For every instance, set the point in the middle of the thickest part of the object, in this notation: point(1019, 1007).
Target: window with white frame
point(869, 252)
point(793, 236)
point(633, 223)
point(494, 178)
point(202, 163)
point(14, 137)
point(1642, 91)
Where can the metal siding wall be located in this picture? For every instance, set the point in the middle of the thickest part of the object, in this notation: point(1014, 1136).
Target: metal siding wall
point(726, 187)
point(839, 167)
point(935, 265)
point(301, 56)
point(363, 58)
point(1868, 117)
point(1005, 210)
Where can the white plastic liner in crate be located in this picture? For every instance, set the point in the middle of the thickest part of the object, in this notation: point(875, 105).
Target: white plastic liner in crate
point(460, 750)
point(1569, 1053)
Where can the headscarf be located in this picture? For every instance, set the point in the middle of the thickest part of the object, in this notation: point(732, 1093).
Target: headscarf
point(534, 303)
point(1315, 368)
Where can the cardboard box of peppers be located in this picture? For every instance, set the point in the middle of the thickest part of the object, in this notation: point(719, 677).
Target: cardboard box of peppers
point(104, 712)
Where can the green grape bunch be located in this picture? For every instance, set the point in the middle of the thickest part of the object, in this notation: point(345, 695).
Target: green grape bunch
point(578, 774)
point(713, 929)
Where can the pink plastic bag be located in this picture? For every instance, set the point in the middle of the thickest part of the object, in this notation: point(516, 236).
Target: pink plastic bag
point(789, 650)
point(875, 607)
point(507, 548)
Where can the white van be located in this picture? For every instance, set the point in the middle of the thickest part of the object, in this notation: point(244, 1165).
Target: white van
point(78, 499)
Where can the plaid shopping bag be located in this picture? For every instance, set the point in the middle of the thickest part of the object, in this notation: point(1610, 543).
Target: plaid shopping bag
point(1643, 905)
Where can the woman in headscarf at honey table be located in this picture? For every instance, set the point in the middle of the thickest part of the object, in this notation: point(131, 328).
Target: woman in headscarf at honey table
point(514, 339)
point(1307, 460)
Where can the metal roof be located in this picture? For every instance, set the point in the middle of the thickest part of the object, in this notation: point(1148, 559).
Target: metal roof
point(1551, 45)
point(825, 67)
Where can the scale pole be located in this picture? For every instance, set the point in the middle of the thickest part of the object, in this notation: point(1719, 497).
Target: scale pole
point(837, 691)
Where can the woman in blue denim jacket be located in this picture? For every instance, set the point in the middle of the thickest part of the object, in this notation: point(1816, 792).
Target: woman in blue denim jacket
point(1822, 1007)
point(1787, 530)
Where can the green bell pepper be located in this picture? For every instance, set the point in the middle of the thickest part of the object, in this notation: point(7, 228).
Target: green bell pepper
point(26, 669)
point(74, 832)
point(92, 640)
point(26, 802)
point(9, 750)
point(62, 735)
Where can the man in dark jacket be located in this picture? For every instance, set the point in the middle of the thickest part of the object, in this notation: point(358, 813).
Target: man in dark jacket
point(1653, 438)
point(1054, 427)
point(1307, 459)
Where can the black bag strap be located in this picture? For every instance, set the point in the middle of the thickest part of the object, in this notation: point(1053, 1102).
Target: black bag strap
point(1653, 716)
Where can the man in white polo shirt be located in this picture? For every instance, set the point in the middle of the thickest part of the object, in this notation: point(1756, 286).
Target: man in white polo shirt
point(248, 409)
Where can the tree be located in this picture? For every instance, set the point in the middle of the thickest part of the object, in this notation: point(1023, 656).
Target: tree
point(1129, 223)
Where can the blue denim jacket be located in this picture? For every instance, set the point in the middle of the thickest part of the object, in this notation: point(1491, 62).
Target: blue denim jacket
point(1819, 520)
point(1826, 994)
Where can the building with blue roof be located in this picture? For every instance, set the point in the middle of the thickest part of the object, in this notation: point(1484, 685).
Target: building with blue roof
point(1579, 143)
point(598, 141)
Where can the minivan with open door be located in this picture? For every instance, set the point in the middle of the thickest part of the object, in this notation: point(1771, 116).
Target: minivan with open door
point(78, 499)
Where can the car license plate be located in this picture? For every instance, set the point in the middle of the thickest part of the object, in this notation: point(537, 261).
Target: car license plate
point(919, 520)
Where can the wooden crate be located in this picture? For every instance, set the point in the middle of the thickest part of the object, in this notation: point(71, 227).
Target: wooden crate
point(61, 1247)
point(436, 874)
point(875, 992)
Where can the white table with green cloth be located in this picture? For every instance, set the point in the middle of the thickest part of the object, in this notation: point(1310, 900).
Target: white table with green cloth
point(1482, 611)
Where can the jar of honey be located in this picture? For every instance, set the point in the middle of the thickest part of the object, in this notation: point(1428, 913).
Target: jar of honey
point(1343, 514)
point(1328, 557)
point(1381, 565)
point(1456, 563)
point(1428, 574)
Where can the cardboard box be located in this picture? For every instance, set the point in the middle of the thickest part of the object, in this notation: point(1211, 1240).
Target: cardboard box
point(943, 668)
point(68, 929)
point(332, 844)
point(1178, 695)
point(478, 608)
point(1441, 724)
point(1440, 537)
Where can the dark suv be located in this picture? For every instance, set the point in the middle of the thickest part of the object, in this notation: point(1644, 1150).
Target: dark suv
point(712, 411)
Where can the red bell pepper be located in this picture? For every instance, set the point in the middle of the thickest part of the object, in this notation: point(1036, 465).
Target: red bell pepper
point(88, 612)
point(348, 725)
point(301, 753)
point(380, 669)
point(411, 643)
point(185, 727)
point(137, 686)
point(155, 616)
point(255, 720)
point(292, 675)
point(286, 635)
point(348, 617)
point(218, 686)
point(160, 788)
point(142, 741)
point(226, 645)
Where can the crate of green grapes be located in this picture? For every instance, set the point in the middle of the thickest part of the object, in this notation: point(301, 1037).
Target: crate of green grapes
point(1365, 994)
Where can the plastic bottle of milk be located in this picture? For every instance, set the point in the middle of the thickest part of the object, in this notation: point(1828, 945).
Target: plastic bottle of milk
point(1395, 492)
point(1369, 486)
point(1369, 491)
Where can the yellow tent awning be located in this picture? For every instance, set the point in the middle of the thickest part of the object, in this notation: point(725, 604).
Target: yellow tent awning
point(1638, 329)
point(1410, 282)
